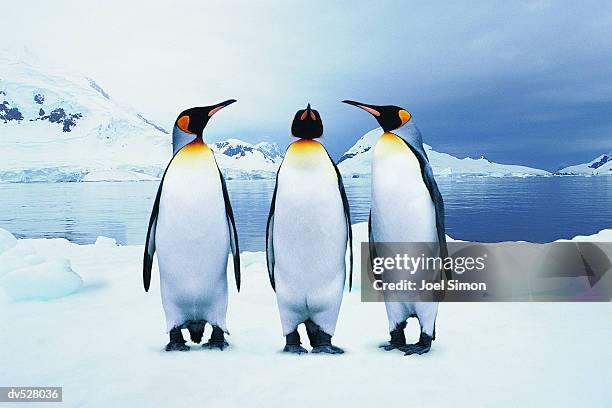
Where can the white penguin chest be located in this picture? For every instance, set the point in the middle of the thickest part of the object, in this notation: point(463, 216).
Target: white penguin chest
point(192, 206)
point(402, 209)
point(309, 224)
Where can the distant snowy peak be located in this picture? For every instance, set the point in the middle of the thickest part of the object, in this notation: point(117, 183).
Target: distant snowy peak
point(357, 161)
point(239, 149)
point(271, 150)
point(240, 159)
point(601, 165)
point(61, 126)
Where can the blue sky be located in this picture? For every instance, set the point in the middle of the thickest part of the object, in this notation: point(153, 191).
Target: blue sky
point(522, 82)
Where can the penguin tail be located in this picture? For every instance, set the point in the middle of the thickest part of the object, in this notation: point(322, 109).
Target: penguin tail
point(196, 330)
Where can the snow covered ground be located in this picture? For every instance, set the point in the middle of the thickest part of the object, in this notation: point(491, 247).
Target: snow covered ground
point(104, 344)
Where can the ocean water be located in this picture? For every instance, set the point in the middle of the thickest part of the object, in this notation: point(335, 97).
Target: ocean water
point(487, 209)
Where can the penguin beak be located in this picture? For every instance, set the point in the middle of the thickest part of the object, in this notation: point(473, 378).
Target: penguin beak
point(372, 109)
point(216, 108)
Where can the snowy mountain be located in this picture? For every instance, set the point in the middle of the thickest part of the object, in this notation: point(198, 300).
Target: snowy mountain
point(240, 159)
point(59, 126)
point(356, 161)
point(599, 166)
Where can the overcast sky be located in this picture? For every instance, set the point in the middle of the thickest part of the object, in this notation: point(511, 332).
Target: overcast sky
point(526, 82)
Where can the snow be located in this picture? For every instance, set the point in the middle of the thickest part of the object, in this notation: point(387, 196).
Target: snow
point(7, 240)
point(117, 175)
point(104, 344)
point(356, 162)
point(46, 280)
point(105, 242)
point(105, 134)
point(242, 160)
point(599, 166)
point(26, 274)
point(60, 126)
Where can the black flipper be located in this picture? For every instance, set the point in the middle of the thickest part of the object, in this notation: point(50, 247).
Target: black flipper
point(150, 244)
point(269, 233)
point(149, 251)
point(347, 216)
point(232, 231)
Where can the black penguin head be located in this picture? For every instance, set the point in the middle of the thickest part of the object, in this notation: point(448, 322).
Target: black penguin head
point(194, 120)
point(307, 124)
point(389, 117)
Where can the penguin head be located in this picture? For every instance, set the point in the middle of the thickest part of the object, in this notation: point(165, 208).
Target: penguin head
point(194, 120)
point(389, 117)
point(307, 124)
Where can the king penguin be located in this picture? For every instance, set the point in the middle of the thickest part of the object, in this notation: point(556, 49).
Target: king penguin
point(192, 229)
point(406, 207)
point(308, 230)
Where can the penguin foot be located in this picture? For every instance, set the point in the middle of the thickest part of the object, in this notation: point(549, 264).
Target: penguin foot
point(398, 339)
point(293, 343)
point(175, 346)
point(319, 340)
point(422, 347)
point(294, 349)
point(177, 342)
point(214, 345)
point(217, 340)
point(390, 346)
point(328, 348)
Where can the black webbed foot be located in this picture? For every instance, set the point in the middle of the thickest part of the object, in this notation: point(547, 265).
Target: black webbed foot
point(177, 342)
point(215, 345)
point(294, 349)
point(398, 339)
point(422, 347)
point(293, 344)
point(177, 347)
point(217, 340)
point(329, 349)
point(319, 340)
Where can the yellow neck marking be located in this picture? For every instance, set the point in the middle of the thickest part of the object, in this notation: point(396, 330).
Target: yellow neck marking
point(305, 152)
point(193, 154)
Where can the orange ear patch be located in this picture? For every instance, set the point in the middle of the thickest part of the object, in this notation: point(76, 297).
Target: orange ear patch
point(404, 116)
point(183, 123)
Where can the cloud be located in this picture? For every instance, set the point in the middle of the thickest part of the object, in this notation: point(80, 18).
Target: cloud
point(479, 73)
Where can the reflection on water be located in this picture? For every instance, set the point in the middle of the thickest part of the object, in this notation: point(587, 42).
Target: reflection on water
point(483, 209)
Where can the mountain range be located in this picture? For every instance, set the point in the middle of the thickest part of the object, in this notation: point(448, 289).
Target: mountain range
point(59, 126)
point(356, 161)
point(599, 166)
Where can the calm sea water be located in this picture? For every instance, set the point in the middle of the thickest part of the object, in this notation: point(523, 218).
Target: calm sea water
point(534, 209)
